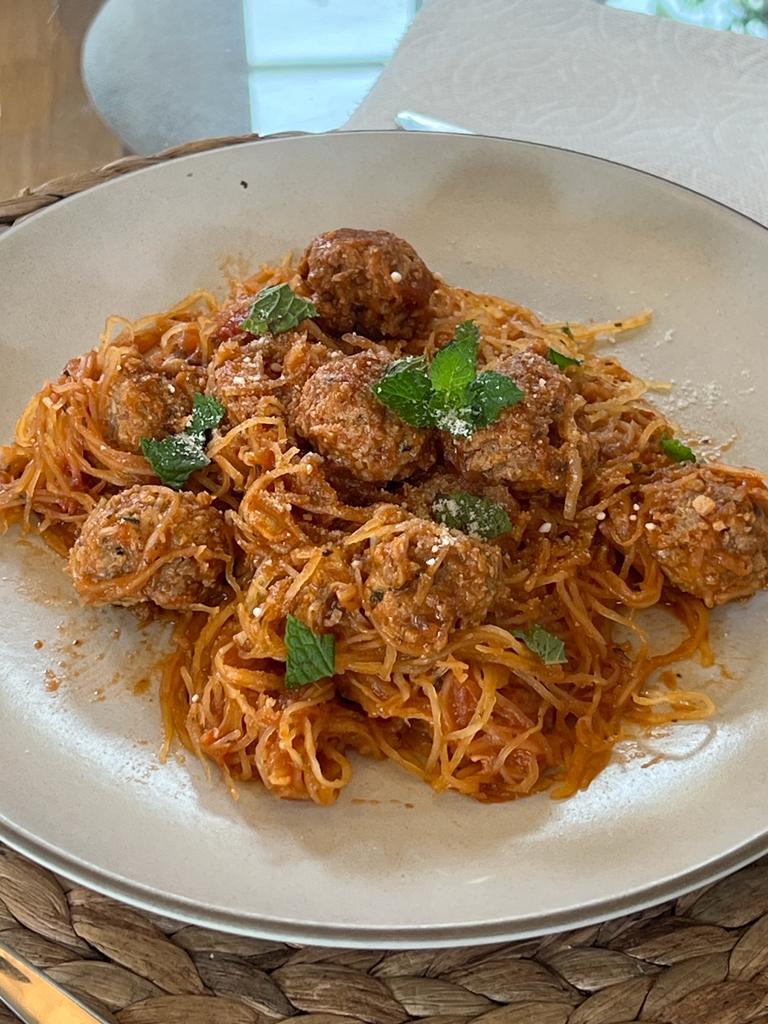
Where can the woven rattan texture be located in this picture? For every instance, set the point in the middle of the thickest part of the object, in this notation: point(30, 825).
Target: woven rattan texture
point(29, 200)
point(700, 960)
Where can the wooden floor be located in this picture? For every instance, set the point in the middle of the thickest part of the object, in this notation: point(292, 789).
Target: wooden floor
point(47, 125)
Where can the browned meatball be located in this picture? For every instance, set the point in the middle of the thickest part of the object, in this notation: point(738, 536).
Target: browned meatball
point(419, 498)
point(143, 401)
point(427, 581)
point(340, 415)
point(527, 447)
point(707, 528)
point(150, 543)
point(242, 376)
point(371, 282)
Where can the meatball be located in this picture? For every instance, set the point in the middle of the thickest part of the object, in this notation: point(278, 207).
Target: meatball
point(242, 376)
point(150, 543)
point(419, 498)
point(427, 581)
point(340, 415)
point(527, 447)
point(369, 282)
point(707, 528)
point(143, 401)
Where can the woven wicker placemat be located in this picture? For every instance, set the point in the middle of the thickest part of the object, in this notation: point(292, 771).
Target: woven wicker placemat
point(29, 200)
point(702, 959)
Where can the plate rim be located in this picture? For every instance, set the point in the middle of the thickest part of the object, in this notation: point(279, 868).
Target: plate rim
point(185, 911)
point(148, 899)
point(278, 137)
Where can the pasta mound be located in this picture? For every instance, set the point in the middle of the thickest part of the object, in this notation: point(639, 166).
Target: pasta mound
point(461, 698)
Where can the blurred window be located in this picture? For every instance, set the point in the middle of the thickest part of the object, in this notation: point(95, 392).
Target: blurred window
point(749, 17)
point(312, 61)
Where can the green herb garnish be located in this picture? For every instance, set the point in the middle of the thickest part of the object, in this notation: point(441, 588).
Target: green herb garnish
point(207, 413)
point(676, 450)
point(561, 360)
point(453, 367)
point(549, 648)
point(479, 517)
point(175, 458)
point(277, 309)
point(406, 389)
point(309, 656)
point(449, 395)
point(490, 393)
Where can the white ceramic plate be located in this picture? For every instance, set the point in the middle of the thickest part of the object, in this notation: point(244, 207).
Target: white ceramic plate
point(572, 236)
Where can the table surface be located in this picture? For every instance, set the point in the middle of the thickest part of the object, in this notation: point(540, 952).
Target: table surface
point(49, 125)
point(702, 959)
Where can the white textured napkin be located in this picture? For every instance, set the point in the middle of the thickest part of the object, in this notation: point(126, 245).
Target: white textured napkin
point(690, 104)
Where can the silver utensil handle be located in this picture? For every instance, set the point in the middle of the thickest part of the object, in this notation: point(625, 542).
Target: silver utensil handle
point(35, 998)
point(413, 121)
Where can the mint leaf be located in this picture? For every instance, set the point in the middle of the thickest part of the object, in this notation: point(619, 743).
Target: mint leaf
point(453, 367)
point(207, 413)
point(490, 394)
point(309, 656)
point(561, 360)
point(549, 648)
point(175, 458)
point(277, 309)
point(405, 388)
point(448, 395)
point(451, 375)
point(479, 517)
point(676, 450)
point(457, 422)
